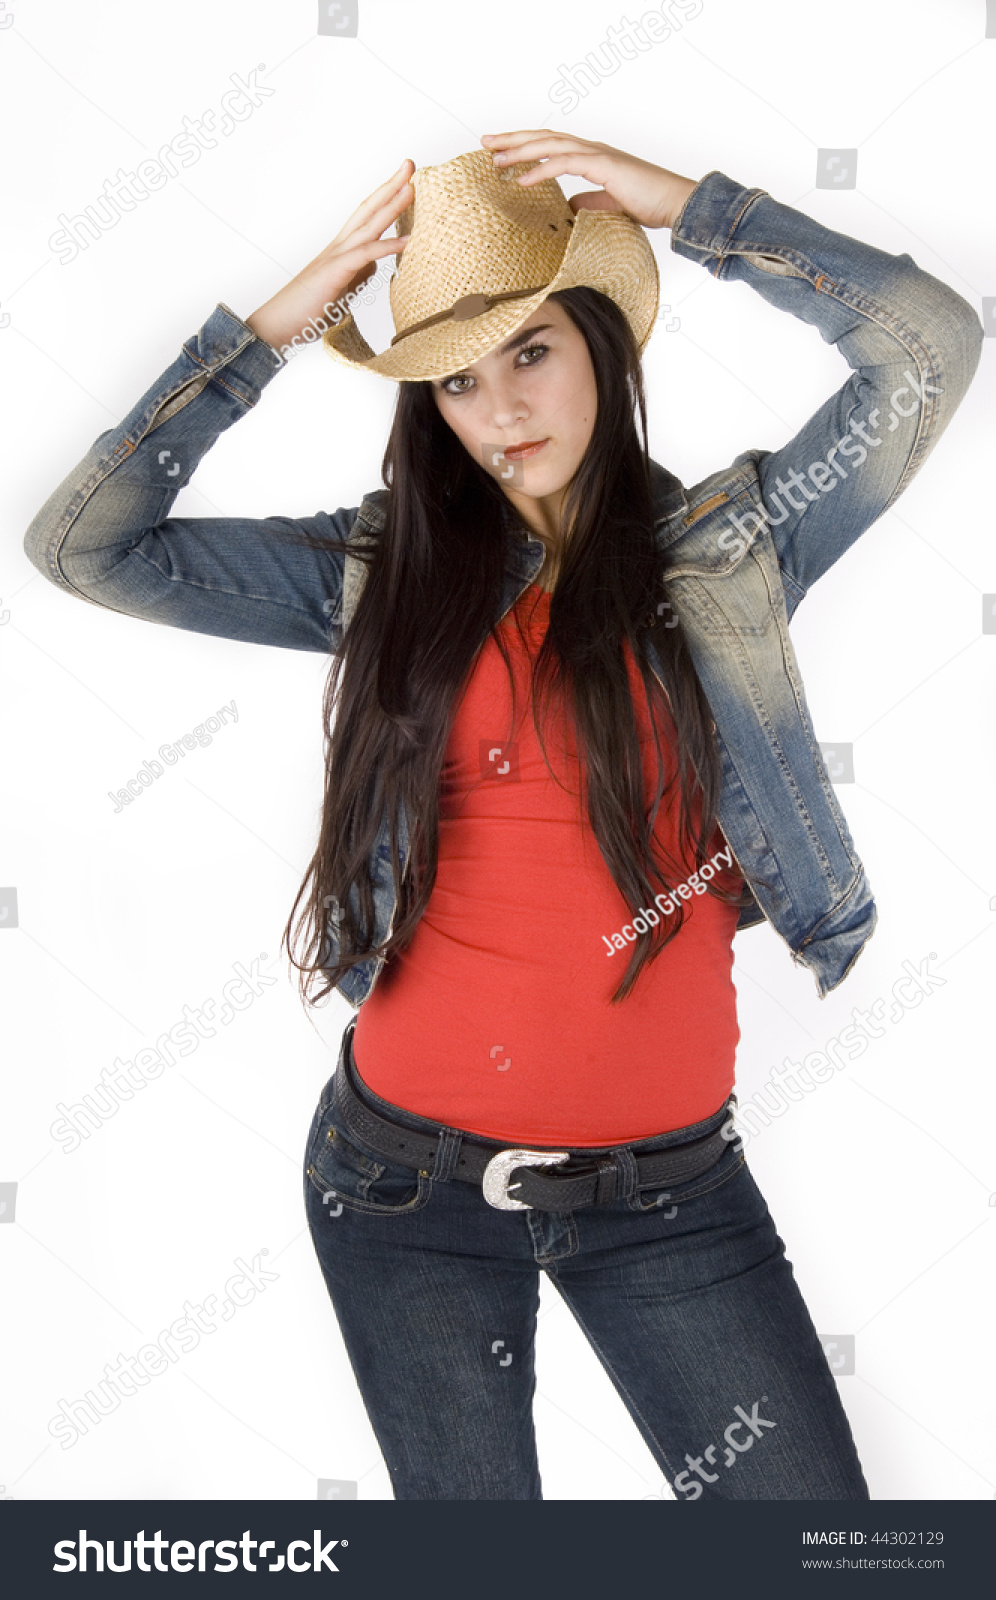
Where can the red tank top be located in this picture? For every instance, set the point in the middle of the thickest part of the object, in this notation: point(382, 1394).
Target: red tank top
point(497, 1018)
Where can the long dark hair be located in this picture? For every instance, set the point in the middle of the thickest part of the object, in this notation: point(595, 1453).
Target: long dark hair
point(433, 594)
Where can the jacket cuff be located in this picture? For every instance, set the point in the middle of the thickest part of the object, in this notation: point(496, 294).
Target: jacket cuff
point(225, 341)
point(710, 216)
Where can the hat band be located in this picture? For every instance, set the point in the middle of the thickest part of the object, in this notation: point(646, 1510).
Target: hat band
point(469, 305)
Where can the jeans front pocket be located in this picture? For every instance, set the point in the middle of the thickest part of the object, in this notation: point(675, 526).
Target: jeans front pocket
point(350, 1177)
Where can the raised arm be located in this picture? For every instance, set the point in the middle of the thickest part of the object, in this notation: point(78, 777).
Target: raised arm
point(912, 342)
point(105, 534)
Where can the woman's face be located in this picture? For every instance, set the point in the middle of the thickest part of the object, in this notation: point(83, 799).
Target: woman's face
point(535, 390)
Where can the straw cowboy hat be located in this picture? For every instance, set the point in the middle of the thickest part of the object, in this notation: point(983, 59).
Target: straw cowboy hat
point(484, 253)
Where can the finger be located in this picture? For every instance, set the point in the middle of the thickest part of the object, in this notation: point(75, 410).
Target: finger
point(596, 170)
point(362, 260)
point(361, 275)
point(374, 224)
point(380, 196)
point(388, 187)
point(366, 216)
point(389, 247)
point(542, 150)
point(593, 200)
point(521, 136)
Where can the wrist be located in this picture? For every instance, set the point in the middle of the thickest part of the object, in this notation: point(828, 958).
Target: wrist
point(678, 192)
point(265, 327)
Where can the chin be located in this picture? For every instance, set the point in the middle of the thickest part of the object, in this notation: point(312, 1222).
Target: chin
point(540, 485)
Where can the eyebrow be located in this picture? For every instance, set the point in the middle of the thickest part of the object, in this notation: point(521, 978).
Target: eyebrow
point(513, 344)
point(523, 338)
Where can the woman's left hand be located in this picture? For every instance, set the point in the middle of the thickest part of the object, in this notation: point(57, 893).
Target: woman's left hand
point(651, 195)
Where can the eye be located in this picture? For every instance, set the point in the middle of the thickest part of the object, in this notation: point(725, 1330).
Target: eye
point(535, 352)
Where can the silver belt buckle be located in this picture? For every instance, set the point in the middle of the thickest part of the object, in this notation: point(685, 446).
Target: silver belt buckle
point(499, 1169)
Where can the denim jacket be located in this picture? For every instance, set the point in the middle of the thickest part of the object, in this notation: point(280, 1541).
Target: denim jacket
point(742, 547)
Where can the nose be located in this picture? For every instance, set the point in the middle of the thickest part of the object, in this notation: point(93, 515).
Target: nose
point(508, 405)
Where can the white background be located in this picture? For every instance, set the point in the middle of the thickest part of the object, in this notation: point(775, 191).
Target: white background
point(879, 1182)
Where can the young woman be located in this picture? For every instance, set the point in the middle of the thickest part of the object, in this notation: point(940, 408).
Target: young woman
point(568, 755)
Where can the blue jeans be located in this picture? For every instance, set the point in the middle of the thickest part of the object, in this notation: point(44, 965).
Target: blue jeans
point(686, 1297)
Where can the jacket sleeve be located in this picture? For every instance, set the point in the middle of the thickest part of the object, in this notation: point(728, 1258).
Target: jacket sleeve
point(106, 535)
point(912, 343)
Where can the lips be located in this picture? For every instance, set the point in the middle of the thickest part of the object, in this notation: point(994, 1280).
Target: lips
point(519, 452)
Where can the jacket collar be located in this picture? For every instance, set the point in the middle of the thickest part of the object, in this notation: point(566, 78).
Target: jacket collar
point(667, 497)
point(668, 493)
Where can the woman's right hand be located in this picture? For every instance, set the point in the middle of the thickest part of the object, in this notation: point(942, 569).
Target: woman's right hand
point(342, 266)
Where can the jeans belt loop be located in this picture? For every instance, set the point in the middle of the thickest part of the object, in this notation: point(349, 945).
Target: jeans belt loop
point(608, 1180)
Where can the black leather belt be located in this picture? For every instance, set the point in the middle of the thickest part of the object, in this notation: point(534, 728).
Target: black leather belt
point(583, 1180)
